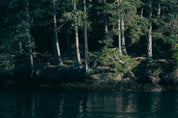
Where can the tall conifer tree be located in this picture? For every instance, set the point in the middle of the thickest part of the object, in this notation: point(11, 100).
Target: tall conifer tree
point(57, 53)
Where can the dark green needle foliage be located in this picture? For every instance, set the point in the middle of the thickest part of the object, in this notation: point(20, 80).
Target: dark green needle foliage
point(118, 63)
point(113, 26)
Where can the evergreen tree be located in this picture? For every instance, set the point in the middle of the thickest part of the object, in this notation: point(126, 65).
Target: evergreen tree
point(57, 53)
point(166, 27)
point(29, 37)
point(75, 18)
point(85, 37)
point(149, 50)
point(28, 27)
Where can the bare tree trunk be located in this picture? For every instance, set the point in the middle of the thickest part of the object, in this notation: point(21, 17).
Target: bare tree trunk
point(29, 39)
point(77, 41)
point(85, 39)
point(57, 53)
point(77, 49)
point(106, 27)
point(20, 47)
point(124, 51)
point(149, 50)
point(105, 22)
point(106, 37)
point(119, 31)
point(119, 36)
point(159, 10)
point(141, 12)
point(20, 43)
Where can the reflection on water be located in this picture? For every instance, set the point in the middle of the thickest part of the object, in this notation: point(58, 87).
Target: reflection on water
point(91, 104)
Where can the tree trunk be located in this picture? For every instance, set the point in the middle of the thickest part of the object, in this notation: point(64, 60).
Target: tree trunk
point(124, 51)
point(20, 47)
point(77, 41)
point(119, 31)
point(106, 27)
point(57, 53)
point(29, 39)
point(119, 36)
point(85, 39)
point(105, 24)
point(106, 36)
point(77, 49)
point(141, 12)
point(20, 43)
point(149, 50)
point(159, 10)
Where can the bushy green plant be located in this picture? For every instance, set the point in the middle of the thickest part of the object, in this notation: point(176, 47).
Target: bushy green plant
point(157, 72)
point(6, 64)
point(175, 53)
point(6, 57)
point(118, 63)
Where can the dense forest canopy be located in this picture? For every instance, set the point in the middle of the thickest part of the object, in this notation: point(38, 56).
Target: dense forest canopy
point(120, 34)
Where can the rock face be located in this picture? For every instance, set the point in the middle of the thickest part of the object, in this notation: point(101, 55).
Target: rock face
point(152, 87)
point(171, 78)
point(154, 80)
point(148, 79)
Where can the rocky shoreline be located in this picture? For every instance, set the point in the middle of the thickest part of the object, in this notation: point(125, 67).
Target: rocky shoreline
point(69, 77)
point(131, 86)
point(88, 84)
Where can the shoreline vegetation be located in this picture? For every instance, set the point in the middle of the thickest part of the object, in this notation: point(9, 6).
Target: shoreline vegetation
point(68, 77)
point(89, 44)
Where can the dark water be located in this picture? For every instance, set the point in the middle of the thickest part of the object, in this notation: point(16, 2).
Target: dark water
point(91, 104)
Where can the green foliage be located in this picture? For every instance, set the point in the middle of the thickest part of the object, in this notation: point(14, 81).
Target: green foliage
point(74, 17)
point(118, 63)
point(167, 27)
point(6, 56)
point(175, 53)
point(6, 64)
point(157, 72)
point(14, 28)
point(134, 24)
